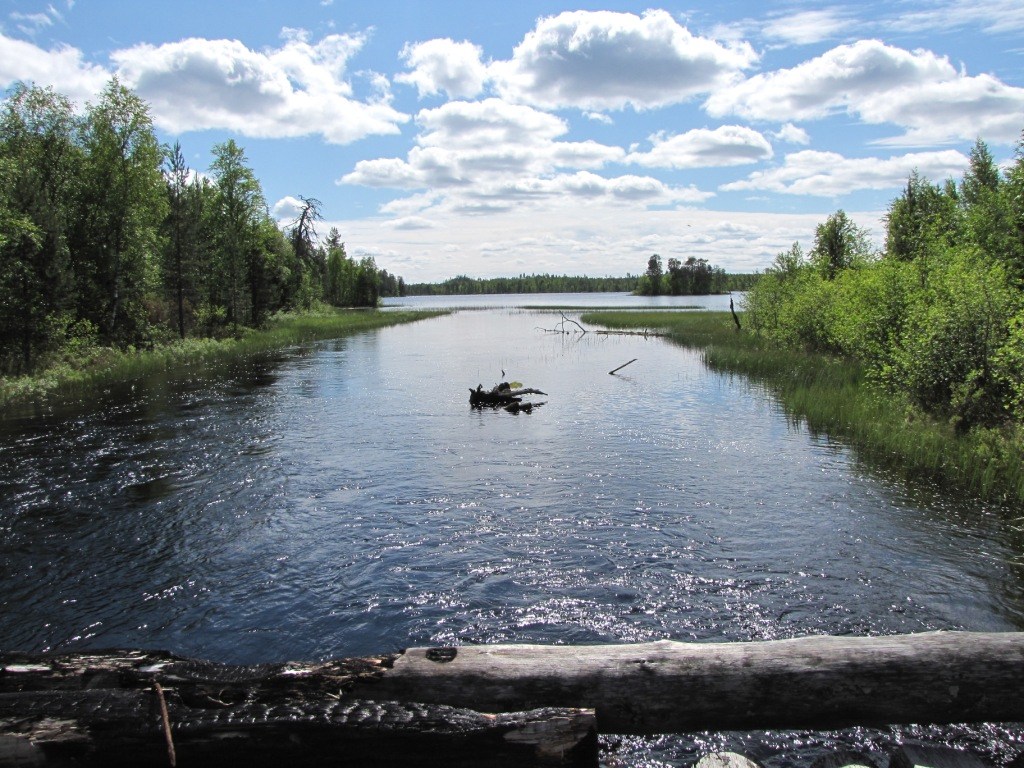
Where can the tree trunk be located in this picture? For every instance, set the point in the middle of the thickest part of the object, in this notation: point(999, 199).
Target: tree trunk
point(811, 682)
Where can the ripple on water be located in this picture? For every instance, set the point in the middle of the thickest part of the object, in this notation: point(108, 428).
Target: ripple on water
point(342, 499)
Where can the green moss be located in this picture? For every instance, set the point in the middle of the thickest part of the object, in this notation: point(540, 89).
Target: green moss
point(95, 365)
point(833, 396)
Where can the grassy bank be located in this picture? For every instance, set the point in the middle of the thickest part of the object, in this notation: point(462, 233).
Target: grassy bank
point(89, 365)
point(832, 395)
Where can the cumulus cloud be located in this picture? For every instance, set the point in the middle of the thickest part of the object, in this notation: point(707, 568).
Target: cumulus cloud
point(492, 156)
point(917, 90)
point(287, 208)
point(703, 148)
point(295, 90)
point(470, 143)
point(604, 60)
point(444, 66)
point(792, 134)
point(829, 174)
point(62, 67)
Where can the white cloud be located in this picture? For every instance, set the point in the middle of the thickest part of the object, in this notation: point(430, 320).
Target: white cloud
point(603, 60)
point(287, 208)
point(792, 134)
point(62, 68)
point(996, 16)
point(444, 65)
point(492, 156)
point(599, 117)
point(829, 174)
point(464, 144)
point(411, 222)
point(919, 91)
point(565, 236)
point(703, 148)
point(298, 89)
point(806, 27)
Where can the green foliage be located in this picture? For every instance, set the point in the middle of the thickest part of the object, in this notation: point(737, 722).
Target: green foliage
point(119, 212)
point(838, 244)
point(104, 229)
point(937, 325)
point(650, 283)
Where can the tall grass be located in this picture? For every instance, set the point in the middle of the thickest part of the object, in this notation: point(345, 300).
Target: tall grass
point(833, 396)
point(93, 365)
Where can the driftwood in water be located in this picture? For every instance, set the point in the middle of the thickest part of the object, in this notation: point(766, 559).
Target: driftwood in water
point(105, 709)
point(645, 333)
point(503, 396)
point(666, 686)
point(616, 370)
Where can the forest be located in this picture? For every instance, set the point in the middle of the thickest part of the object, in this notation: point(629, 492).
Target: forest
point(693, 277)
point(689, 278)
point(108, 237)
point(936, 316)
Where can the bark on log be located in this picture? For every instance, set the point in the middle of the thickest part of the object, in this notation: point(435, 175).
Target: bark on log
point(102, 709)
point(813, 682)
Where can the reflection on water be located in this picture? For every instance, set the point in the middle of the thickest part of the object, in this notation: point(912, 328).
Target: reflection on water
point(342, 499)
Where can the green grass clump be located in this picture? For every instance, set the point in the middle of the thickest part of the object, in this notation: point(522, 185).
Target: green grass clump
point(834, 396)
point(91, 365)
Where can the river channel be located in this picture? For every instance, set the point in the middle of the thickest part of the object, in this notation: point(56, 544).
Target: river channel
point(342, 498)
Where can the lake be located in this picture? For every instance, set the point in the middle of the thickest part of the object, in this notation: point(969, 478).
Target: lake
point(342, 498)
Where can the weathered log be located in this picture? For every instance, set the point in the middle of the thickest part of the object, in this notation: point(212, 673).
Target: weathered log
point(921, 756)
point(102, 709)
point(666, 686)
point(645, 333)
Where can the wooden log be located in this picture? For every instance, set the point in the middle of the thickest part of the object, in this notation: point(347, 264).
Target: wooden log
point(921, 756)
point(725, 760)
point(844, 759)
point(666, 686)
point(104, 710)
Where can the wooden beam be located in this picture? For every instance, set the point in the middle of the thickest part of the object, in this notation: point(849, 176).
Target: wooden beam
point(812, 682)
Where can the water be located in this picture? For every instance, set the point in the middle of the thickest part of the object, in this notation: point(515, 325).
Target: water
point(342, 498)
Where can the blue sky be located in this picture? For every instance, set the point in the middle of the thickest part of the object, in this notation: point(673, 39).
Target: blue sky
point(488, 138)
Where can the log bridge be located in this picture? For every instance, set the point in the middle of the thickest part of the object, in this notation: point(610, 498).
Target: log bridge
point(489, 704)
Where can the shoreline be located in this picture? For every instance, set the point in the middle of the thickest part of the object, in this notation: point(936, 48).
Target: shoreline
point(97, 365)
point(832, 395)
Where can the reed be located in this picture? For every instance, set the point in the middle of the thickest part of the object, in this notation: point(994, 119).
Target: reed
point(833, 396)
point(93, 365)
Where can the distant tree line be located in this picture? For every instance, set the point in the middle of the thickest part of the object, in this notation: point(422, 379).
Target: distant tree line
point(937, 316)
point(693, 277)
point(107, 237)
point(462, 285)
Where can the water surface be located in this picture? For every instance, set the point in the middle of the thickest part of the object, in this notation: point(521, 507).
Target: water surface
point(342, 498)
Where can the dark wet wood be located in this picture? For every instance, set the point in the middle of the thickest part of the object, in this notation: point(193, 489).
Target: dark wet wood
point(105, 709)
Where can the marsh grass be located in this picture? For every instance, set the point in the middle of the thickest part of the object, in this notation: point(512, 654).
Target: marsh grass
point(91, 365)
point(833, 396)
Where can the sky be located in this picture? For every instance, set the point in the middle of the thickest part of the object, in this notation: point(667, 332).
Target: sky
point(494, 138)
